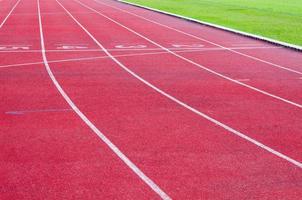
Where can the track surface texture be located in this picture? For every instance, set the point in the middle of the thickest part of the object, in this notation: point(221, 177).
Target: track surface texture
point(102, 100)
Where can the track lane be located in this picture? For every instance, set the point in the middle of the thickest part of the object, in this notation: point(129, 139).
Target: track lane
point(261, 76)
point(285, 84)
point(274, 123)
point(46, 151)
point(217, 37)
point(52, 155)
point(116, 84)
point(123, 186)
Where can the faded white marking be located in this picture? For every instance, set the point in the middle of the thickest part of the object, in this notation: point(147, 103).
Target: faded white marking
point(139, 46)
point(72, 47)
point(187, 45)
point(14, 47)
point(101, 57)
point(146, 49)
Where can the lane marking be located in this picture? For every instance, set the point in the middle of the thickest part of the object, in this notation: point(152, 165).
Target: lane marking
point(21, 112)
point(194, 63)
point(71, 47)
point(145, 49)
point(205, 40)
point(114, 148)
point(140, 46)
point(85, 44)
point(101, 57)
point(9, 14)
point(218, 123)
point(9, 48)
point(188, 45)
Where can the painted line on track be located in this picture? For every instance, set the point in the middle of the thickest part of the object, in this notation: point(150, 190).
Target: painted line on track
point(205, 40)
point(194, 63)
point(9, 14)
point(97, 57)
point(145, 49)
point(114, 148)
point(177, 101)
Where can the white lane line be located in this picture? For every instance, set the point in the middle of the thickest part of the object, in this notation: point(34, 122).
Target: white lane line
point(92, 58)
point(114, 148)
point(194, 63)
point(20, 64)
point(218, 123)
point(87, 58)
point(9, 14)
point(21, 112)
point(97, 57)
point(147, 49)
point(205, 40)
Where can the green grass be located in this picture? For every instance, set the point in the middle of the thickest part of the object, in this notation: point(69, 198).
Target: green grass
point(277, 19)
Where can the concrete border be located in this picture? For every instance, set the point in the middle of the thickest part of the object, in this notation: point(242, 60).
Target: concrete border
point(258, 37)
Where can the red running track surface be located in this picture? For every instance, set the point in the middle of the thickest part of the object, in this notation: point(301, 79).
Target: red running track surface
point(126, 103)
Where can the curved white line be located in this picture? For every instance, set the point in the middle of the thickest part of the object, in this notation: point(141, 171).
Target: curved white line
point(114, 148)
point(194, 63)
point(199, 38)
point(218, 123)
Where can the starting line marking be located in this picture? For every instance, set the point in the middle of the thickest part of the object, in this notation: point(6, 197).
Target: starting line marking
point(79, 49)
point(187, 45)
point(139, 46)
point(71, 46)
point(101, 57)
point(14, 47)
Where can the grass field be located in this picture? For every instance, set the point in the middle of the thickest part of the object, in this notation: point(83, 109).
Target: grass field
point(277, 19)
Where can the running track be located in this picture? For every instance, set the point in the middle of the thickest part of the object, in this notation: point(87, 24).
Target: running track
point(102, 100)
